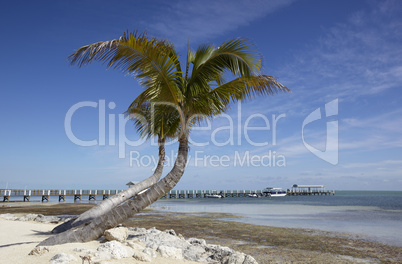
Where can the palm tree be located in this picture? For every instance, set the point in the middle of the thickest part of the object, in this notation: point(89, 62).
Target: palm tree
point(149, 121)
point(197, 93)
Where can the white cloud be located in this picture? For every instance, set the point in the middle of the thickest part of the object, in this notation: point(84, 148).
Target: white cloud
point(388, 122)
point(359, 57)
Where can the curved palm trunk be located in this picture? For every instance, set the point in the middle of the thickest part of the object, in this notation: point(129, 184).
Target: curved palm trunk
point(108, 204)
point(95, 229)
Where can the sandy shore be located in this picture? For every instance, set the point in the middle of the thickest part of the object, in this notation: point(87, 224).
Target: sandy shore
point(265, 244)
point(18, 238)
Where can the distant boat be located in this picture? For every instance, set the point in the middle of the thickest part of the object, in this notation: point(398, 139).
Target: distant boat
point(253, 195)
point(214, 196)
point(274, 192)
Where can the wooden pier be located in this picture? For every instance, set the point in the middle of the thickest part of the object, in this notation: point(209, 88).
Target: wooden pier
point(189, 194)
point(45, 195)
point(183, 194)
point(93, 195)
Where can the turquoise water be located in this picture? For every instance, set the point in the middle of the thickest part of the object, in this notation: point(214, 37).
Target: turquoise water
point(374, 215)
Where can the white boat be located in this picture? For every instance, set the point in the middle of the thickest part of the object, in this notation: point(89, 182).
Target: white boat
point(274, 192)
point(252, 195)
point(214, 196)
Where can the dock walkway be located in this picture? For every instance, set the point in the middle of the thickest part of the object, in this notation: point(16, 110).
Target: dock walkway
point(6, 195)
point(26, 195)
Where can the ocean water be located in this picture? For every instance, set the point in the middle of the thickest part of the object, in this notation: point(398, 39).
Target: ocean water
point(374, 215)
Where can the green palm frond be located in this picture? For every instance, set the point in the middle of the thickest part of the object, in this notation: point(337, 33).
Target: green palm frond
point(190, 60)
point(152, 61)
point(247, 88)
point(237, 56)
point(205, 104)
point(141, 117)
point(155, 119)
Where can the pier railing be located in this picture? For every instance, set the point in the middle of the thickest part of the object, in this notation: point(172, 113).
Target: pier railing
point(6, 194)
point(77, 195)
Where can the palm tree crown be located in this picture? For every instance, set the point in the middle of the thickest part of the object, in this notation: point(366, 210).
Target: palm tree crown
point(200, 91)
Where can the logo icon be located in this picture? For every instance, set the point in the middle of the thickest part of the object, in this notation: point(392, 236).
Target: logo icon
point(330, 154)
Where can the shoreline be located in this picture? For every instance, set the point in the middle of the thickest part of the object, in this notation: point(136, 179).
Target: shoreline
point(266, 244)
point(370, 216)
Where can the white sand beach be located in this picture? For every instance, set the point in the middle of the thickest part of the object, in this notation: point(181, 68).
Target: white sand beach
point(22, 227)
point(18, 238)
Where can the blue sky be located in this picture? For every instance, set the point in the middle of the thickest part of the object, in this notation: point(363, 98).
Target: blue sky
point(343, 54)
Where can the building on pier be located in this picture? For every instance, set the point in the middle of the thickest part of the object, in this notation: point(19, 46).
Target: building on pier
point(298, 189)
